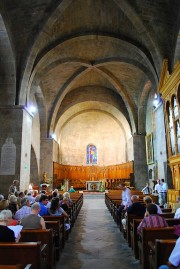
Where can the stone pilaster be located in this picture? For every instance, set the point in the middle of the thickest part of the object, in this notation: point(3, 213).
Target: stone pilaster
point(46, 159)
point(140, 165)
point(15, 146)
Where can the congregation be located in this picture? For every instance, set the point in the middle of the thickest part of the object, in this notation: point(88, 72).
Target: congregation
point(29, 210)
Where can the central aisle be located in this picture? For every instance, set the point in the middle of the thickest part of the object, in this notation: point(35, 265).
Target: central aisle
point(95, 241)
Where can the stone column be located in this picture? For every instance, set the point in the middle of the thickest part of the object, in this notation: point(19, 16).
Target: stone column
point(46, 158)
point(140, 165)
point(15, 146)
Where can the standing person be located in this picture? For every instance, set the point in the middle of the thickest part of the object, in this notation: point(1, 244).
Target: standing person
point(14, 187)
point(126, 198)
point(164, 191)
point(158, 189)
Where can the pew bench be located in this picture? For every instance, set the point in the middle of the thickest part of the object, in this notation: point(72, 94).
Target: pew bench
point(57, 236)
point(134, 236)
point(45, 237)
point(150, 234)
point(160, 252)
point(63, 233)
point(33, 253)
point(18, 266)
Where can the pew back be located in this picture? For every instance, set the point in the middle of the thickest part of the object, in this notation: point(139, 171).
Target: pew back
point(23, 253)
point(45, 237)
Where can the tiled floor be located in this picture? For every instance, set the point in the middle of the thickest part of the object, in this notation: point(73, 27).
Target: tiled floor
point(95, 241)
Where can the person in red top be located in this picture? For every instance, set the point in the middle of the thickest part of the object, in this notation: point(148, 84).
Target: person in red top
point(151, 219)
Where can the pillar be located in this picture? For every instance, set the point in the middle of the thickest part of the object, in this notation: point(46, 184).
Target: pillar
point(15, 146)
point(140, 165)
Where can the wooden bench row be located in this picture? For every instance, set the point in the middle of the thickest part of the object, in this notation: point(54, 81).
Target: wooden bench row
point(154, 245)
point(39, 249)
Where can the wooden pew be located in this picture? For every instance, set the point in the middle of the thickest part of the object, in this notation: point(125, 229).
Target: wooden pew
point(18, 266)
point(150, 234)
point(24, 253)
point(160, 252)
point(45, 237)
point(167, 215)
point(57, 236)
point(130, 218)
point(134, 236)
point(63, 233)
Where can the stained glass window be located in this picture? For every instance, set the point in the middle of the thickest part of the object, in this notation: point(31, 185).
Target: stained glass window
point(91, 156)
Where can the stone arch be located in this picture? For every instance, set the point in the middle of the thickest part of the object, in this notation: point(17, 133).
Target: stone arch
point(7, 68)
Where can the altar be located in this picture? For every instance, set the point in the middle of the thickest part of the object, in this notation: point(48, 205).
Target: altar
point(92, 185)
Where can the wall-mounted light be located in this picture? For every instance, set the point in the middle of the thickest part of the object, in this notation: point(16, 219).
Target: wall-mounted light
point(53, 136)
point(32, 109)
point(157, 101)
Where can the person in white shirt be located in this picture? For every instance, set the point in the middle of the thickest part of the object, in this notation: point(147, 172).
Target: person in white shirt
point(158, 189)
point(174, 258)
point(164, 191)
point(177, 213)
point(126, 198)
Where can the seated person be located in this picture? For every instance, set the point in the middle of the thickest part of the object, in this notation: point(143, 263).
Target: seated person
point(177, 213)
point(67, 195)
point(25, 209)
point(56, 210)
point(136, 208)
point(65, 204)
point(71, 189)
point(146, 189)
point(33, 221)
point(174, 258)
point(43, 205)
point(148, 200)
point(13, 205)
point(151, 219)
point(10, 220)
point(6, 234)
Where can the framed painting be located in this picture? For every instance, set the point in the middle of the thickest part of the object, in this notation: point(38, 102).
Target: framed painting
point(149, 148)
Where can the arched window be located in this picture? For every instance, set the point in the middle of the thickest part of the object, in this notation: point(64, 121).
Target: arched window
point(91, 154)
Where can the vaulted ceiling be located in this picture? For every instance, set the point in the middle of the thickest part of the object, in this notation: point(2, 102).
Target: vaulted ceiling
point(86, 54)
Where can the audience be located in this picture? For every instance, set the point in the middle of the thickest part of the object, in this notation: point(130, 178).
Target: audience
point(25, 209)
point(34, 221)
point(136, 208)
point(148, 200)
point(151, 219)
point(13, 206)
point(6, 234)
point(71, 189)
point(10, 220)
point(43, 204)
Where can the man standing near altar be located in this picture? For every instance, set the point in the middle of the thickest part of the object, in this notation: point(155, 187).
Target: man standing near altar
point(126, 198)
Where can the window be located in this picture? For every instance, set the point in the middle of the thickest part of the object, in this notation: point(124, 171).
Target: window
point(91, 155)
